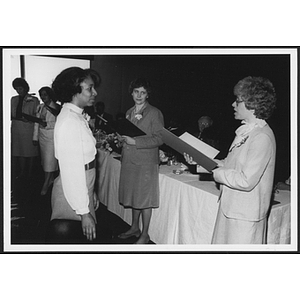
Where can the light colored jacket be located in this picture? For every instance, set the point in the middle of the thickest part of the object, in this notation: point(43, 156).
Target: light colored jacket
point(247, 176)
point(50, 120)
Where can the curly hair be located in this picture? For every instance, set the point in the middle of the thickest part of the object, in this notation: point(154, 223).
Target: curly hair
point(49, 92)
point(67, 83)
point(140, 82)
point(258, 93)
point(20, 82)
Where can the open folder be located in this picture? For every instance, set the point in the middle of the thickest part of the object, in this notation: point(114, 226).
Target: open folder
point(184, 146)
point(122, 127)
point(32, 118)
point(125, 127)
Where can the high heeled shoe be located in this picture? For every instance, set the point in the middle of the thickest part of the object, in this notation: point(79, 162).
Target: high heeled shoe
point(126, 235)
point(142, 241)
point(44, 191)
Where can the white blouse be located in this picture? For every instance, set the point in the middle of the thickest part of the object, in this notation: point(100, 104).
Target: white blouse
point(74, 146)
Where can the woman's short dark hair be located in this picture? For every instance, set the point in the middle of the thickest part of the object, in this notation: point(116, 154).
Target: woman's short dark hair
point(49, 92)
point(67, 83)
point(257, 93)
point(140, 82)
point(20, 82)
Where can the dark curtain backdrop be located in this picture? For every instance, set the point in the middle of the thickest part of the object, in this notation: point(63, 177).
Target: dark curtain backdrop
point(188, 86)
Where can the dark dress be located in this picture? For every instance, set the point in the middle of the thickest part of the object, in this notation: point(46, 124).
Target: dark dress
point(139, 184)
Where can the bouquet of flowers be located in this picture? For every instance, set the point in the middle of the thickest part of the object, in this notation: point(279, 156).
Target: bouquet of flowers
point(163, 157)
point(107, 142)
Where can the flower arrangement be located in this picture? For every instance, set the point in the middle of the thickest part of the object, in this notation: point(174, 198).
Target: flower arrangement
point(239, 144)
point(86, 116)
point(163, 157)
point(107, 142)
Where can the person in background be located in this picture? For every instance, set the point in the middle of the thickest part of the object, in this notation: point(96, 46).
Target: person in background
point(43, 134)
point(23, 150)
point(73, 199)
point(139, 186)
point(100, 112)
point(207, 133)
point(246, 175)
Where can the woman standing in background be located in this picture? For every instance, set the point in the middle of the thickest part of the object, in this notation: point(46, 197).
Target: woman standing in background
point(43, 135)
point(23, 150)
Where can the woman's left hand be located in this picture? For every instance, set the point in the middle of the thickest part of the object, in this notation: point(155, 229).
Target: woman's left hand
point(88, 226)
point(96, 202)
point(189, 159)
point(128, 140)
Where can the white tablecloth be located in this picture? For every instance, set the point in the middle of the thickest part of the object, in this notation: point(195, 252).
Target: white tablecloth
point(188, 207)
point(279, 223)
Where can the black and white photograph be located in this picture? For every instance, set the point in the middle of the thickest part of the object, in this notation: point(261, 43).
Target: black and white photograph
point(150, 149)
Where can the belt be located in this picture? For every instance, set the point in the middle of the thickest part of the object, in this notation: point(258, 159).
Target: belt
point(90, 165)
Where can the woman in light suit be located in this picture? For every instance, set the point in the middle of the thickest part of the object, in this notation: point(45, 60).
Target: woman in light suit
point(139, 188)
point(246, 174)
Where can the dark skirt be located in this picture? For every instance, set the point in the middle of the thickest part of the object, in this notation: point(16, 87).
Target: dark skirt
point(139, 186)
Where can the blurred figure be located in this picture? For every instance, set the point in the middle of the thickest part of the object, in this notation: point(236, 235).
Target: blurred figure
point(44, 134)
point(23, 150)
point(100, 112)
point(207, 133)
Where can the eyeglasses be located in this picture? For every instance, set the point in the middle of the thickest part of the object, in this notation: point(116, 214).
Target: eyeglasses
point(238, 101)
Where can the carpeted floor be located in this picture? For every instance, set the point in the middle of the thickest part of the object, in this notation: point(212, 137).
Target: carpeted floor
point(30, 215)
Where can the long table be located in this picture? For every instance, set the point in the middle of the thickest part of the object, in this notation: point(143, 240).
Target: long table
point(188, 206)
point(279, 222)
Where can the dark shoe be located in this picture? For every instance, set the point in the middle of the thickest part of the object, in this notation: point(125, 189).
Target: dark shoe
point(44, 191)
point(143, 240)
point(125, 235)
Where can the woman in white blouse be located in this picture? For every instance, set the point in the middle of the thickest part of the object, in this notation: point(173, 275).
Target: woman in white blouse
point(73, 199)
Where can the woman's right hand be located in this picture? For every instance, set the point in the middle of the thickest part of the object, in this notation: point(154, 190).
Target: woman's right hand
point(219, 162)
point(88, 226)
point(43, 123)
